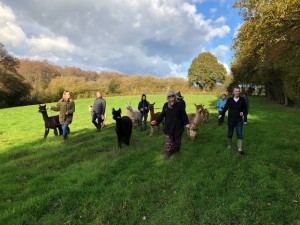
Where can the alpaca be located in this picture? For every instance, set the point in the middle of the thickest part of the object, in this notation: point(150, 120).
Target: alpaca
point(205, 115)
point(153, 116)
point(50, 122)
point(195, 120)
point(133, 114)
point(123, 127)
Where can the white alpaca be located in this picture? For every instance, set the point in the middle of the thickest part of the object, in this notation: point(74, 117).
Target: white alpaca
point(133, 114)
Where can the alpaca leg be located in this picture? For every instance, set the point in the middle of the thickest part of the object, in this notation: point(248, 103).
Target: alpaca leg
point(60, 130)
point(151, 130)
point(55, 131)
point(119, 142)
point(46, 132)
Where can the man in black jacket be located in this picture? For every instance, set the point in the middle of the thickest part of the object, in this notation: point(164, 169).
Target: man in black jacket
point(237, 109)
point(175, 119)
point(98, 111)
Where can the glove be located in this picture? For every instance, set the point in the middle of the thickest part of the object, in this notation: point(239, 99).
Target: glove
point(154, 123)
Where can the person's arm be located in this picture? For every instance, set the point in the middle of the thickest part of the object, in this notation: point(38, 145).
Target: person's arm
point(55, 108)
point(72, 108)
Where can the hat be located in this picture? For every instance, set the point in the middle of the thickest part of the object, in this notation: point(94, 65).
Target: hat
point(178, 94)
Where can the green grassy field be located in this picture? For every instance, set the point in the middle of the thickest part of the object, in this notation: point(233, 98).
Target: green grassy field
point(89, 181)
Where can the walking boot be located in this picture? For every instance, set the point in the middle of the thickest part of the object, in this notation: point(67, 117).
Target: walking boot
point(167, 155)
point(64, 138)
point(239, 145)
point(229, 142)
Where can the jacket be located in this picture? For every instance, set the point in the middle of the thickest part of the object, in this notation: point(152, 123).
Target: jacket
point(99, 106)
point(221, 103)
point(66, 110)
point(143, 107)
point(175, 119)
point(234, 109)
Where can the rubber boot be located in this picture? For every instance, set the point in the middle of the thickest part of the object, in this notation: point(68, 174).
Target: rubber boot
point(64, 138)
point(229, 143)
point(239, 145)
point(167, 155)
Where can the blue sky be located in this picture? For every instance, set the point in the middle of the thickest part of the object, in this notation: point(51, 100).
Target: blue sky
point(153, 37)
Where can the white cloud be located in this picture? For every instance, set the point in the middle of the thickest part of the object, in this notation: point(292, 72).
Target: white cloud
point(213, 10)
point(221, 20)
point(145, 37)
point(220, 51)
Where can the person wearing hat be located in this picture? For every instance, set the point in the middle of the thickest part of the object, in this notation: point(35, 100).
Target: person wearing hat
point(175, 119)
point(143, 108)
point(180, 98)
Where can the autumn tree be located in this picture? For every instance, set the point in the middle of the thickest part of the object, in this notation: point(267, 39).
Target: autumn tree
point(267, 48)
point(13, 88)
point(205, 71)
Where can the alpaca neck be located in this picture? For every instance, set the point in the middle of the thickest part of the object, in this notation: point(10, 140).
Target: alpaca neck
point(45, 115)
point(152, 114)
point(197, 117)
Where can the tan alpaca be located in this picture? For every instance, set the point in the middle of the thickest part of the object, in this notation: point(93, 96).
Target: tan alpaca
point(205, 115)
point(195, 120)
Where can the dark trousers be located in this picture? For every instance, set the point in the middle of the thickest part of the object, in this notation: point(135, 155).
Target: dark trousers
point(143, 118)
point(246, 117)
point(239, 129)
point(221, 120)
point(97, 117)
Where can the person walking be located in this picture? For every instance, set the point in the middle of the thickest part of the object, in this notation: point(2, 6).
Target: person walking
point(237, 109)
point(220, 105)
point(175, 119)
point(66, 108)
point(144, 110)
point(98, 111)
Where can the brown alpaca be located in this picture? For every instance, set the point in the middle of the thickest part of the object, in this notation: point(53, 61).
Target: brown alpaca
point(195, 120)
point(205, 115)
point(153, 116)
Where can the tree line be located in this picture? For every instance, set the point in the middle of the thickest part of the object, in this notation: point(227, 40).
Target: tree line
point(24, 81)
point(267, 48)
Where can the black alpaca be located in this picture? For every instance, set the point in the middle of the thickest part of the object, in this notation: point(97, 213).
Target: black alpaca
point(50, 122)
point(123, 127)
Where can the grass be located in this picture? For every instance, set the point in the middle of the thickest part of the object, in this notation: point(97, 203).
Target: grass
point(89, 181)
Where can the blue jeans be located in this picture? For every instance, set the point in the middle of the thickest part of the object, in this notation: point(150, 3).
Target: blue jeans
point(239, 129)
point(65, 128)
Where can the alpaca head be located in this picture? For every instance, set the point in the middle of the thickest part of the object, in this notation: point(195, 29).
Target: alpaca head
point(42, 108)
point(151, 106)
point(128, 106)
point(116, 114)
point(199, 108)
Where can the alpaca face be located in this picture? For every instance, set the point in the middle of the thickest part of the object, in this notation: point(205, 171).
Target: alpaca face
point(151, 106)
point(128, 106)
point(199, 108)
point(42, 108)
point(116, 114)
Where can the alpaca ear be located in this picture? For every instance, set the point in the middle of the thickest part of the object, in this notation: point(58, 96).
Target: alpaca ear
point(195, 104)
point(153, 103)
point(114, 110)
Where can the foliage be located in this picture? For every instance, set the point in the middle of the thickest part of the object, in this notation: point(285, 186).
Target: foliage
point(13, 88)
point(89, 181)
point(267, 47)
point(205, 71)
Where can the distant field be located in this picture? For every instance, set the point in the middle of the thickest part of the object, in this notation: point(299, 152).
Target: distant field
point(89, 181)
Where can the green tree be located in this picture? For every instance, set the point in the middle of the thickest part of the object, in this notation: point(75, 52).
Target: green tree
point(205, 71)
point(267, 47)
point(13, 88)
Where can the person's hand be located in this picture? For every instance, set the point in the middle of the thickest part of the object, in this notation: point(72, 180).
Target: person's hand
point(241, 113)
point(142, 109)
point(188, 126)
point(219, 116)
point(153, 122)
point(102, 117)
